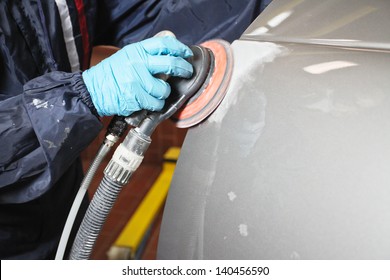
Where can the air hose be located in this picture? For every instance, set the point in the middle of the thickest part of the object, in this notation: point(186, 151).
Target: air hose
point(115, 130)
point(124, 162)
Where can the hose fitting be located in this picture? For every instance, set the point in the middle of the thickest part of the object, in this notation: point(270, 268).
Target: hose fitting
point(127, 157)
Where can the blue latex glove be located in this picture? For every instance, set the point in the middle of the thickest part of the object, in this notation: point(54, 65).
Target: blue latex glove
point(124, 83)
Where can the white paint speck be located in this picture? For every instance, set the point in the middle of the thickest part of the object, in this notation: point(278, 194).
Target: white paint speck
point(243, 228)
point(63, 103)
point(40, 103)
point(232, 196)
point(66, 131)
point(50, 143)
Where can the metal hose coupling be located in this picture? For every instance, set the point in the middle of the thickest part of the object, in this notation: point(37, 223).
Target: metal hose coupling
point(127, 157)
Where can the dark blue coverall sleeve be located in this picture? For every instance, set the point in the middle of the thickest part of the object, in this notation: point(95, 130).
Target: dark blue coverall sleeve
point(42, 132)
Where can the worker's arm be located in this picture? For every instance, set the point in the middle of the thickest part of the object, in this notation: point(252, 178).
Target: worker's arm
point(42, 131)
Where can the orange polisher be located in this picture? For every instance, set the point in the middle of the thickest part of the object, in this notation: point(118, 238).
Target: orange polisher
point(213, 64)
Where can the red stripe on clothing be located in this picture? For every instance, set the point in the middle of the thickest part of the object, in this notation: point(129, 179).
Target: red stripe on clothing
point(84, 33)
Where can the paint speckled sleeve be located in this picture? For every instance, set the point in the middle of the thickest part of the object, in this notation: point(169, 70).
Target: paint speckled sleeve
point(42, 132)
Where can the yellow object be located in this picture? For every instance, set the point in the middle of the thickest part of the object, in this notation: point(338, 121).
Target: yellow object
point(172, 154)
point(131, 237)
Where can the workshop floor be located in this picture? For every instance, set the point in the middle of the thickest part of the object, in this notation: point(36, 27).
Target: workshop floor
point(166, 135)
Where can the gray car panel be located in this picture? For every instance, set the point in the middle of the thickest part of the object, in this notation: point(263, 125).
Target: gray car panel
point(352, 23)
point(294, 163)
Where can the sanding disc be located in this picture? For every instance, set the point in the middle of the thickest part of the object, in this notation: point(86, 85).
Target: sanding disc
point(210, 95)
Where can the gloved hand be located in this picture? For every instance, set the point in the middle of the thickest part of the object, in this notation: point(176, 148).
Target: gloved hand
point(124, 83)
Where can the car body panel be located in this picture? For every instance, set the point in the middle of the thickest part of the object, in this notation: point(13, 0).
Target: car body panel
point(294, 163)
